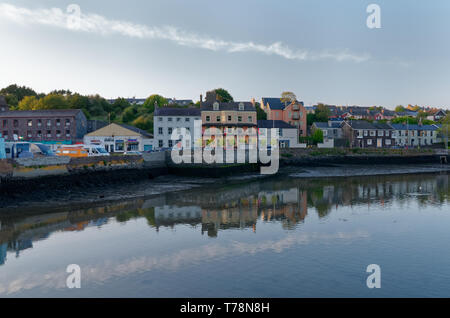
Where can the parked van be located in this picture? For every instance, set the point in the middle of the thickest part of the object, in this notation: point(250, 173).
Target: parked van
point(73, 152)
point(78, 151)
point(95, 151)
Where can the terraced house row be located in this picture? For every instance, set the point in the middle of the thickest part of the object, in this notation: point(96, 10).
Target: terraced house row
point(364, 134)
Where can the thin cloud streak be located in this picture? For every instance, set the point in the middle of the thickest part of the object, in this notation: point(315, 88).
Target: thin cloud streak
point(94, 23)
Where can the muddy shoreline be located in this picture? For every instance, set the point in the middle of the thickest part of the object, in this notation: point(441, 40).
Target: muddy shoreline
point(131, 185)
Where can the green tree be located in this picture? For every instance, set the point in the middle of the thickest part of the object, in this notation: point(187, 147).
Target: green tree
point(144, 122)
point(223, 95)
point(405, 119)
point(120, 104)
point(28, 103)
point(322, 113)
point(18, 91)
point(12, 100)
point(399, 109)
point(53, 101)
point(310, 119)
point(317, 136)
point(129, 114)
point(149, 103)
point(260, 113)
point(288, 97)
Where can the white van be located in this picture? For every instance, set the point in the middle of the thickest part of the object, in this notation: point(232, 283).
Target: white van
point(96, 151)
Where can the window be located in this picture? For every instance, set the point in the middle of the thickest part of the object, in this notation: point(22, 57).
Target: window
point(29, 134)
point(218, 118)
point(208, 118)
point(369, 142)
point(160, 119)
point(16, 123)
point(119, 145)
point(39, 123)
point(250, 119)
point(386, 133)
point(160, 143)
point(169, 130)
point(49, 122)
point(30, 123)
point(178, 118)
point(67, 122)
point(388, 142)
point(67, 133)
point(170, 143)
point(58, 122)
point(372, 133)
point(5, 123)
point(187, 119)
point(39, 133)
point(160, 131)
point(229, 117)
point(49, 133)
point(58, 133)
point(216, 106)
point(380, 133)
point(240, 118)
point(169, 119)
point(241, 106)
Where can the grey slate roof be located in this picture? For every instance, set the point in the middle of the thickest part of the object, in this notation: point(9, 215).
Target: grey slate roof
point(413, 127)
point(41, 113)
point(275, 103)
point(384, 126)
point(248, 106)
point(177, 111)
point(324, 125)
point(138, 130)
point(360, 124)
point(274, 124)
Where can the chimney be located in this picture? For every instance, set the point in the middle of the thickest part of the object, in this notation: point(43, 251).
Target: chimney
point(201, 100)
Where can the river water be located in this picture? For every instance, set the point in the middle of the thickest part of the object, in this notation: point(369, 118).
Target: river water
point(299, 234)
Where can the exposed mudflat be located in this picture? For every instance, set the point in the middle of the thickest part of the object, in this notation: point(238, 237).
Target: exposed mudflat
point(80, 196)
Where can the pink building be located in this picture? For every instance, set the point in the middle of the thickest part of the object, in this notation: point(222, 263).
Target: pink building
point(291, 113)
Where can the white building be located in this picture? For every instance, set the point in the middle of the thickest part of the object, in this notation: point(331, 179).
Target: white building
point(120, 138)
point(415, 135)
point(288, 134)
point(168, 119)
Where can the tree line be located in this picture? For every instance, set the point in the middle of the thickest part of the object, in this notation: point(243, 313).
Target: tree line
point(95, 106)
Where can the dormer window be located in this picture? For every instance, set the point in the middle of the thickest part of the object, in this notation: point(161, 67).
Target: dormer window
point(241, 106)
point(216, 106)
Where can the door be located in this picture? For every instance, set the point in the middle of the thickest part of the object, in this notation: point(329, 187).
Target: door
point(379, 142)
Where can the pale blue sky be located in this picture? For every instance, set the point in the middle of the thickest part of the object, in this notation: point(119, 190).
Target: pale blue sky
point(406, 61)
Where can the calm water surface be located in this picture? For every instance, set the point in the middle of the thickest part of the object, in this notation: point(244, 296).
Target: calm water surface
point(280, 237)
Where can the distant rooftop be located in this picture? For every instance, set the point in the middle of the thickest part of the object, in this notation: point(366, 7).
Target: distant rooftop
point(42, 113)
point(177, 111)
point(275, 103)
point(274, 124)
point(248, 106)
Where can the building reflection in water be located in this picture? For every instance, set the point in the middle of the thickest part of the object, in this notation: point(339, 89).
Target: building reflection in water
point(241, 206)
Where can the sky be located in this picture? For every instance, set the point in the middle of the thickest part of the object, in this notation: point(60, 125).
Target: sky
point(322, 50)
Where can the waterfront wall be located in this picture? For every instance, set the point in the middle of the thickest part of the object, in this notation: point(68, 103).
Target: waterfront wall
point(23, 175)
